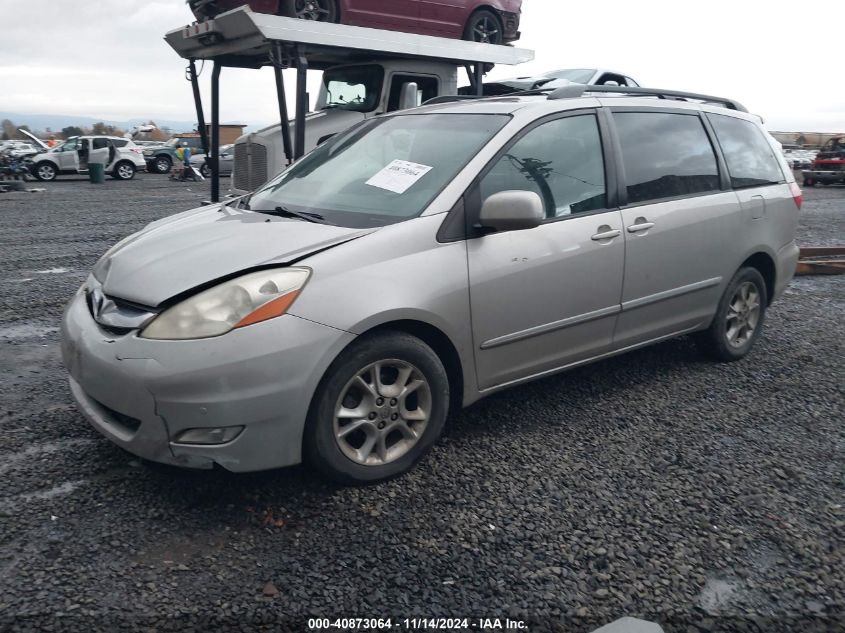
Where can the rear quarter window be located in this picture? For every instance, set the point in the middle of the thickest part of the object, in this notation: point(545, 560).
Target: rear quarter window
point(751, 162)
point(665, 155)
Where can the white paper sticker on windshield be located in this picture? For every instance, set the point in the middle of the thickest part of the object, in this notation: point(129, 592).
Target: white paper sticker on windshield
point(399, 176)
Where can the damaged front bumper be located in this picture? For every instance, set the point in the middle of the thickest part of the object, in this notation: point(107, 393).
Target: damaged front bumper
point(143, 394)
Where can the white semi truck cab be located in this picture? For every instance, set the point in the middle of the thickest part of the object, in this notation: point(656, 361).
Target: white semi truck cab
point(348, 94)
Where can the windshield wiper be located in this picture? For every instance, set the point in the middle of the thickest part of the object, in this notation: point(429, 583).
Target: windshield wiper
point(290, 213)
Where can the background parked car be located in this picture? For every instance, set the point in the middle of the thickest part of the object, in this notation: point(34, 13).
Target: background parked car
point(124, 158)
point(487, 21)
point(20, 150)
point(556, 79)
point(225, 162)
point(160, 159)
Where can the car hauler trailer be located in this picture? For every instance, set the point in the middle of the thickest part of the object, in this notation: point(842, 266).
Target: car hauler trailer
point(424, 65)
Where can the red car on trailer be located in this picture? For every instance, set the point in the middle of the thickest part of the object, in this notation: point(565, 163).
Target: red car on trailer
point(487, 21)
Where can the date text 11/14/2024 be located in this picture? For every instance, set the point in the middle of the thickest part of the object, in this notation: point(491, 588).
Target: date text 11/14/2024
point(416, 624)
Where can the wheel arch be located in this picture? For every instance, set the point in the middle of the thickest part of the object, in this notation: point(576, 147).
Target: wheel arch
point(438, 341)
point(765, 264)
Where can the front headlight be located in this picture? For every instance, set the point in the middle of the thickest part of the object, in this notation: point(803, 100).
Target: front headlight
point(242, 301)
point(148, 152)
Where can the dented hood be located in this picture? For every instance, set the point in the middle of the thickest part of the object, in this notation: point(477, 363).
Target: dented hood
point(178, 254)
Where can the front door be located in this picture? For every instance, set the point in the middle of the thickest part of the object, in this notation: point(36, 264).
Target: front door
point(547, 297)
point(678, 225)
point(396, 15)
point(68, 157)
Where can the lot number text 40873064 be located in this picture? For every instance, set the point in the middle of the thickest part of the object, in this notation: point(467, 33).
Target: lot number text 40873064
point(417, 624)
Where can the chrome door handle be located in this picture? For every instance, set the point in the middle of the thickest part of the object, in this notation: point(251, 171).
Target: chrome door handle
point(643, 226)
point(606, 235)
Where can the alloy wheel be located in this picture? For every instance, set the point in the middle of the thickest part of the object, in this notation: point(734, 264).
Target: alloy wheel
point(313, 10)
point(382, 412)
point(125, 172)
point(486, 31)
point(162, 165)
point(46, 172)
point(743, 314)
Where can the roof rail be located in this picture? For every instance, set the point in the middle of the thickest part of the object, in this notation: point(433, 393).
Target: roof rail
point(573, 91)
point(450, 99)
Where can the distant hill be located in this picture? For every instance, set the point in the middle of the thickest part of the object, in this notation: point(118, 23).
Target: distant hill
point(57, 121)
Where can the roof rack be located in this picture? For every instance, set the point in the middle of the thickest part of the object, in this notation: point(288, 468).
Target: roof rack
point(573, 91)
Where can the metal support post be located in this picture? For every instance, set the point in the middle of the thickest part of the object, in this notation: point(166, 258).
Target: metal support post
point(192, 75)
point(284, 119)
point(214, 160)
point(301, 102)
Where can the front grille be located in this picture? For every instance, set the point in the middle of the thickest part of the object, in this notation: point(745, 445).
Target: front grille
point(250, 166)
point(257, 165)
point(241, 167)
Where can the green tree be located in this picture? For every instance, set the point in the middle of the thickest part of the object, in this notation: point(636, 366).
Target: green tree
point(71, 130)
point(9, 129)
point(101, 128)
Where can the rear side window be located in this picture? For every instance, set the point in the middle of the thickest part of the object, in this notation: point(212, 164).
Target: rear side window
point(120, 142)
point(561, 161)
point(100, 143)
point(665, 155)
point(751, 162)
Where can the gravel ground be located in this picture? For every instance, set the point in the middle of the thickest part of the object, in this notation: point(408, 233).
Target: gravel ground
point(706, 497)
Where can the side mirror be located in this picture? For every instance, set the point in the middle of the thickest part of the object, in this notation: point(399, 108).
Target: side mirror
point(409, 96)
point(224, 155)
point(512, 211)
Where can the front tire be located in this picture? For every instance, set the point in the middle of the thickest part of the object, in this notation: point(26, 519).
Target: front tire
point(317, 10)
point(205, 170)
point(380, 407)
point(485, 27)
point(162, 164)
point(739, 318)
point(124, 170)
point(45, 171)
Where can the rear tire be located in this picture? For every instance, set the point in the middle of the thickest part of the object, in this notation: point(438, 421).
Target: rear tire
point(379, 408)
point(485, 27)
point(809, 182)
point(124, 170)
point(739, 318)
point(318, 10)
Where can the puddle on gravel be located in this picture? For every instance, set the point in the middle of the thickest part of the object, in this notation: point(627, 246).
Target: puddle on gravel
point(55, 491)
point(23, 331)
point(717, 594)
point(41, 449)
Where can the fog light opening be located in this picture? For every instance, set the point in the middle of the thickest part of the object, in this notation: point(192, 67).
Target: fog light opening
point(217, 435)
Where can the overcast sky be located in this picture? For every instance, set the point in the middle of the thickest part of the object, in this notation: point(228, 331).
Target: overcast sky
point(107, 58)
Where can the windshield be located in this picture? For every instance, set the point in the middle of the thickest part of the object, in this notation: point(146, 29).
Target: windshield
point(353, 88)
point(70, 145)
point(384, 171)
point(575, 75)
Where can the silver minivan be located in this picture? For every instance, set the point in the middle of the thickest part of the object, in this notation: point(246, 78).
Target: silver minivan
point(420, 261)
